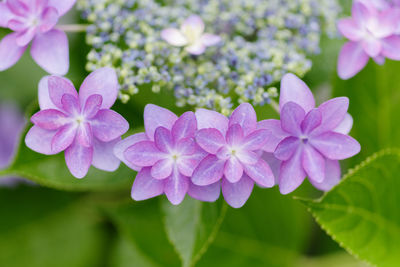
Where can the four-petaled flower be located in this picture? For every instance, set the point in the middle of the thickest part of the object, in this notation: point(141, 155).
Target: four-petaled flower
point(165, 157)
point(233, 146)
point(81, 125)
point(34, 20)
point(308, 140)
point(372, 33)
point(191, 35)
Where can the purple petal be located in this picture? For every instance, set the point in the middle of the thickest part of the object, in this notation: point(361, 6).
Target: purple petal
point(261, 173)
point(163, 139)
point(145, 186)
point(247, 157)
point(196, 49)
point(39, 140)
point(233, 170)
point(10, 52)
point(17, 7)
point(176, 187)
point(123, 145)
point(155, 116)
point(63, 138)
point(292, 174)
point(49, 119)
point(26, 36)
point(108, 125)
point(162, 169)
point(102, 82)
point(380, 59)
point(209, 193)
point(235, 135)
point(51, 52)
point(78, 159)
point(103, 155)
point(238, 193)
point(336, 146)
point(208, 39)
point(345, 126)
point(92, 106)
point(292, 116)
point(311, 121)
point(372, 47)
point(391, 47)
point(333, 112)
point(70, 104)
point(295, 90)
point(276, 136)
point(6, 15)
point(185, 126)
point(49, 19)
point(209, 171)
point(84, 135)
point(211, 140)
point(62, 6)
point(361, 14)
point(273, 163)
point(16, 25)
point(245, 116)
point(350, 29)
point(144, 153)
point(332, 176)
point(187, 146)
point(287, 148)
point(211, 119)
point(60, 86)
point(193, 24)
point(174, 37)
point(352, 59)
point(314, 164)
point(188, 163)
point(256, 140)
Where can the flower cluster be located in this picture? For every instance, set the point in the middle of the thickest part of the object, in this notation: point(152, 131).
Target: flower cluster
point(373, 32)
point(258, 42)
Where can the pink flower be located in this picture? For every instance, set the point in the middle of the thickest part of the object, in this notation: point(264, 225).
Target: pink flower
point(165, 157)
point(34, 21)
point(191, 35)
point(372, 34)
point(233, 147)
point(308, 141)
point(81, 124)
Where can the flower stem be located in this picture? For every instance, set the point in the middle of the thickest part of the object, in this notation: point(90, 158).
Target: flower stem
point(73, 27)
point(275, 106)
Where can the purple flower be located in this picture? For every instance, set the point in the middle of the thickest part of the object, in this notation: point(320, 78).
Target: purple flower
point(191, 35)
point(309, 141)
point(34, 20)
point(373, 33)
point(81, 125)
point(165, 157)
point(233, 146)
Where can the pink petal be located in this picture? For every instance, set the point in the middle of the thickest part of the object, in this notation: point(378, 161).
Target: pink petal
point(292, 116)
point(295, 90)
point(49, 119)
point(103, 155)
point(333, 112)
point(51, 52)
point(372, 47)
point(70, 104)
point(391, 47)
point(17, 7)
point(64, 138)
point(145, 186)
point(62, 6)
point(245, 116)
point(16, 25)
point(388, 23)
point(233, 170)
point(345, 126)
point(185, 126)
point(211, 119)
point(187, 146)
point(273, 163)
point(261, 173)
point(247, 157)
point(276, 136)
point(256, 140)
point(311, 121)
point(361, 14)
point(144, 153)
point(108, 125)
point(350, 29)
point(314, 164)
point(208, 39)
point(193, 24)
point(26, 36)
point(84, 135)
point(173, 37)
point(352, 59)
point(336, 146)
point(163, 139)
point(176, 187)
point(209, 193)
point(235, 135)
point(92, 106)
point(59, 88)
point(188, 163)
point(155, 116)
point(196, 49)
point(6, 15)
point(162, 169)
point(238, 193)
point(123, 145)
point(211, 140)
point(10, 52)
point(209, 171)
point(39, 140)
point(49, 19)
point(102, 82)
point(380, 60)
point(292, 174)
point(332, 176)
point(287, 148)
point(78, 159)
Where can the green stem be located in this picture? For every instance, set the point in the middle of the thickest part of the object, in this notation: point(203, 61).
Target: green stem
point(73, 27)
point(275, 106)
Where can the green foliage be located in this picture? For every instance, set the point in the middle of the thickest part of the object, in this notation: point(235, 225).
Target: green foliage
point(362, 213)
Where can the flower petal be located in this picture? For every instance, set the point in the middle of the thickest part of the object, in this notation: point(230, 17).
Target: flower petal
point(84, 135)
point(6, 15)
point(17, 7)
point(59, 88)
point(276, 136)
point(78, 159)
point(103, 155)
point(345, 126)
point(352, 59)
point(162, 169)
point(102, 82)
point(261, 173)
point(123, 145)
point(26, 36)
point(293, 89)
point(350, 29)
point(292, 116)
point(247, 157)
point(256, 140)
point(235, 135)
point(211, 119)
point(196, 49)
point(336, 146)
point(173, 37)
point(391, 47)
point(64, 137)
point(209, 193)
point(311, 121)
point(163, 139)
point(332, 176)
point(361, 14)
point(10, 52)
point(292, 174)
point(245, 116)
point(287, 148)
point(70, 104)
point(108, 125)
point(372, 47)
point(185, 126)
point(238, 193)
point(333, 112)
point(145, 186)
point(209, 39)
point(176, 187)
point(233, 170)
point(155, 116)
point(49, 19)
point(92, 106)
point(193, 24)
point(50, 50)
point(144, 153)
point(273, 163)
point(39, 140)
point(314, 164)
point(50, 119)
point(62, 6)
point(209, 171)
point(211, 140)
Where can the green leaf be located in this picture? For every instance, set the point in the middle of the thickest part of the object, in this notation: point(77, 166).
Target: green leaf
point(192, 226)
point(362, 213)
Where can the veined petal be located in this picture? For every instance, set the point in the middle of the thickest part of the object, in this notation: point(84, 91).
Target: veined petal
point(64, 137)
point(233, 170)
point(345, 126)
point(292, 173)
point(332, 176)
point(49, 119)
point(84, 135)
point(333, 112)
point(70, 104)
point(17, 7)
point(176, 187)
point(256, 140)
point(293, 89)
point(234, 136)
point(155, 116)
point(187, 146)
point(209, 171)
point(236, 194)
point(185, 126)
point(163, 139)
point(10, 52)
point(108, 125)
point(124, 144)
point(59, 88)
point(78, 159)
point(247, 157)
point(103, 155)
point(292, 115)
point(314, 164)
point(49, 19)
point(211, 140)
point(211, 119)
point(144, 153)
point(261, 173)
point(336, 146)
point(287, 148)
point(173, 37)
point(162, 169)
point(209, 193)
point(311, 121)
point(352, 59)
point(145, 186)
point(92, 106)
point(246, 117)
point(276, 136)
point(39, 140)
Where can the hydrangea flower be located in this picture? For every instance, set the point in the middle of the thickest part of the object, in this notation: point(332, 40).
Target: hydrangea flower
point(191, 35)
point(307, 140)
point(81, 124)
point(233, 146)
point(34, 21)
point(165, 157)
point(373, 33)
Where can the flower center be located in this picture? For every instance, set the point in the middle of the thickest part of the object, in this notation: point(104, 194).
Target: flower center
point(80, 119)
point(304, 139)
